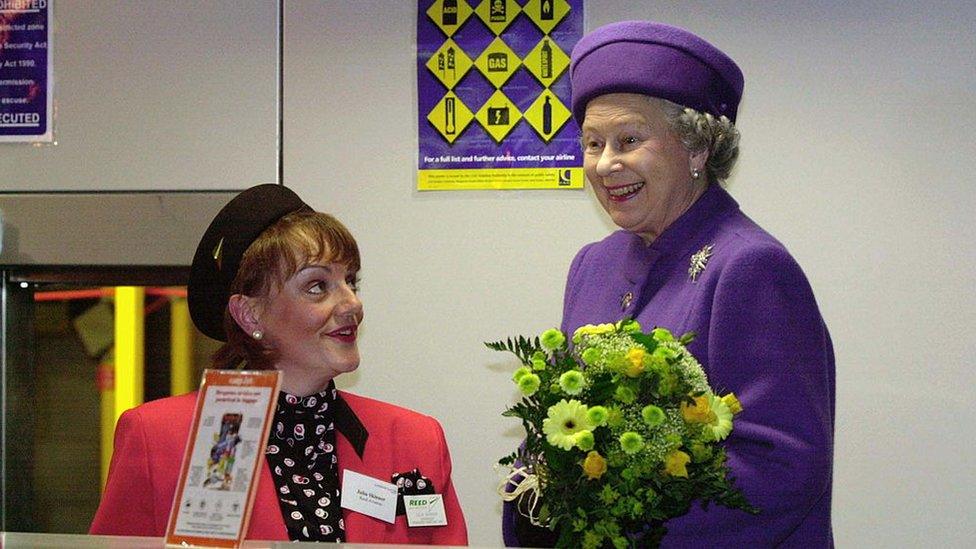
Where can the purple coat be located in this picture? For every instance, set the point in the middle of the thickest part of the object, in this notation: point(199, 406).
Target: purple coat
point(760, 335)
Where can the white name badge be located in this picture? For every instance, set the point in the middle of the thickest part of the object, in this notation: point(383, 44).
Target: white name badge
point(425, 510)
point(369, 496)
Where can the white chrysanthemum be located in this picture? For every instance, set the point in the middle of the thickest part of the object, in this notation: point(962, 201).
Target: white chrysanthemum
point(721, 426)
point(603, 350)
point(564, 421)
point(690, 369)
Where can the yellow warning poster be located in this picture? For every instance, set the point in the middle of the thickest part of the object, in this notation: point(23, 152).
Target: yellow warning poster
point(493, 94)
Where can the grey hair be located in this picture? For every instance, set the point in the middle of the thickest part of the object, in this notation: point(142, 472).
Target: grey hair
point(703, 131)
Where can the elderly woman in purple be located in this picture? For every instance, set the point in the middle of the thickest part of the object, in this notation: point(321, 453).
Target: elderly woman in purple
point(657, 106)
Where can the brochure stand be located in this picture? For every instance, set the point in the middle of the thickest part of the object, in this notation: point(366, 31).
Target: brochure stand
point(223, 458)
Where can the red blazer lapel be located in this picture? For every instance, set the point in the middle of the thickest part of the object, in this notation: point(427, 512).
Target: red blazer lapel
point(266, 520)
point(359, 527)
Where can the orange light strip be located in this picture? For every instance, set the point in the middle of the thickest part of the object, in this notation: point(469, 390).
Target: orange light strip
point(95, 293)
point(69, 295)
point(167, 291)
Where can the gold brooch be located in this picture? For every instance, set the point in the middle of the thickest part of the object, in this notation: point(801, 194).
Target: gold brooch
point(698, 262)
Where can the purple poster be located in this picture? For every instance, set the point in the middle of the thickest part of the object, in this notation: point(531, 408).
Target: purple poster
point(25, 70)
point(493, 94)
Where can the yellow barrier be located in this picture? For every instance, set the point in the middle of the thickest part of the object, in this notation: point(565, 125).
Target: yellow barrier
point(106, 388)
point(182, 376)
point(129, 348)
point(121, 386)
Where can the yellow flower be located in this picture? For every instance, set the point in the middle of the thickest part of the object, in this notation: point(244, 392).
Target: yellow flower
point(635, 362)
point(700, 412)
point(591, 329)
point(675, 462)
point(594, 465)
point(564, 421)
point(721, 424)
point(732, 402)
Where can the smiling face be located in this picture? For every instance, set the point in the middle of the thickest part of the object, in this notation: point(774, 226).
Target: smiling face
point(292, 304)
point(311, 322)
point(639, 170)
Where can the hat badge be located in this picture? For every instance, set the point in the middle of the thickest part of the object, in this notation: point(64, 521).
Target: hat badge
point(218, 253)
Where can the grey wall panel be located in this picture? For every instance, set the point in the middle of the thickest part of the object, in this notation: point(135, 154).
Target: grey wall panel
point(150, 96)
point(105, 229)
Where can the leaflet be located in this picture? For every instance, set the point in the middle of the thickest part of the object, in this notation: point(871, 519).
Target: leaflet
point(221, 466)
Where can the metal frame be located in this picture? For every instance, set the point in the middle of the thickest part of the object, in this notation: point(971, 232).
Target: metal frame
point(16, 410)
point(17, 366)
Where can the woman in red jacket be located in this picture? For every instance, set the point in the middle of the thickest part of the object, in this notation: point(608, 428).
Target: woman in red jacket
point(276, 281)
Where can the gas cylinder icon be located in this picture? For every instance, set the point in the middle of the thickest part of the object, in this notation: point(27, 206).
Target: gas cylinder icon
point(547, 117)
point(546, 59)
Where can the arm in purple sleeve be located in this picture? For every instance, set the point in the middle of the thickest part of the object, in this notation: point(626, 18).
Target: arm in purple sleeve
point(767, 342)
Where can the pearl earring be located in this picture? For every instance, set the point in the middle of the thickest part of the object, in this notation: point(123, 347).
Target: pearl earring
point(695, 174)
point(256, 334)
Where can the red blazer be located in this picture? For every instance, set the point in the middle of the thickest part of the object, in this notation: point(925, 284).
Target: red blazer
point(150, 441)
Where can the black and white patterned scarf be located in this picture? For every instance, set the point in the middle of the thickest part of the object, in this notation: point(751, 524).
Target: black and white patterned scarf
point(302, 456)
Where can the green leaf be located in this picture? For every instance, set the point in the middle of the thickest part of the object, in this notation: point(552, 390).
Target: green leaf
point(645, 340)
point(521, 347)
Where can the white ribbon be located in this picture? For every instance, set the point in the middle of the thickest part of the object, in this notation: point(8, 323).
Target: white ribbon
point(528, 485)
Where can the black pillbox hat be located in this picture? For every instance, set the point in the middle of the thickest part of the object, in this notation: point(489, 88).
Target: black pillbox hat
point(218, 256)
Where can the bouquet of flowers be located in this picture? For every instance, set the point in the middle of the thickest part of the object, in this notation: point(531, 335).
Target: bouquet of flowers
point(622, 433)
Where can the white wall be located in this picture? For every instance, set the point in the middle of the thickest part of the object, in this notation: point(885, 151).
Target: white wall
point(856, 150)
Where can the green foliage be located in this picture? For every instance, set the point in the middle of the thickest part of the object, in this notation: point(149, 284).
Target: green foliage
point(646, 341)
point(629, 503)
point(521, 347)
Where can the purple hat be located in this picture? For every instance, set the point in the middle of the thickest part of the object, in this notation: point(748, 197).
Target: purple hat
point(657, 60)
